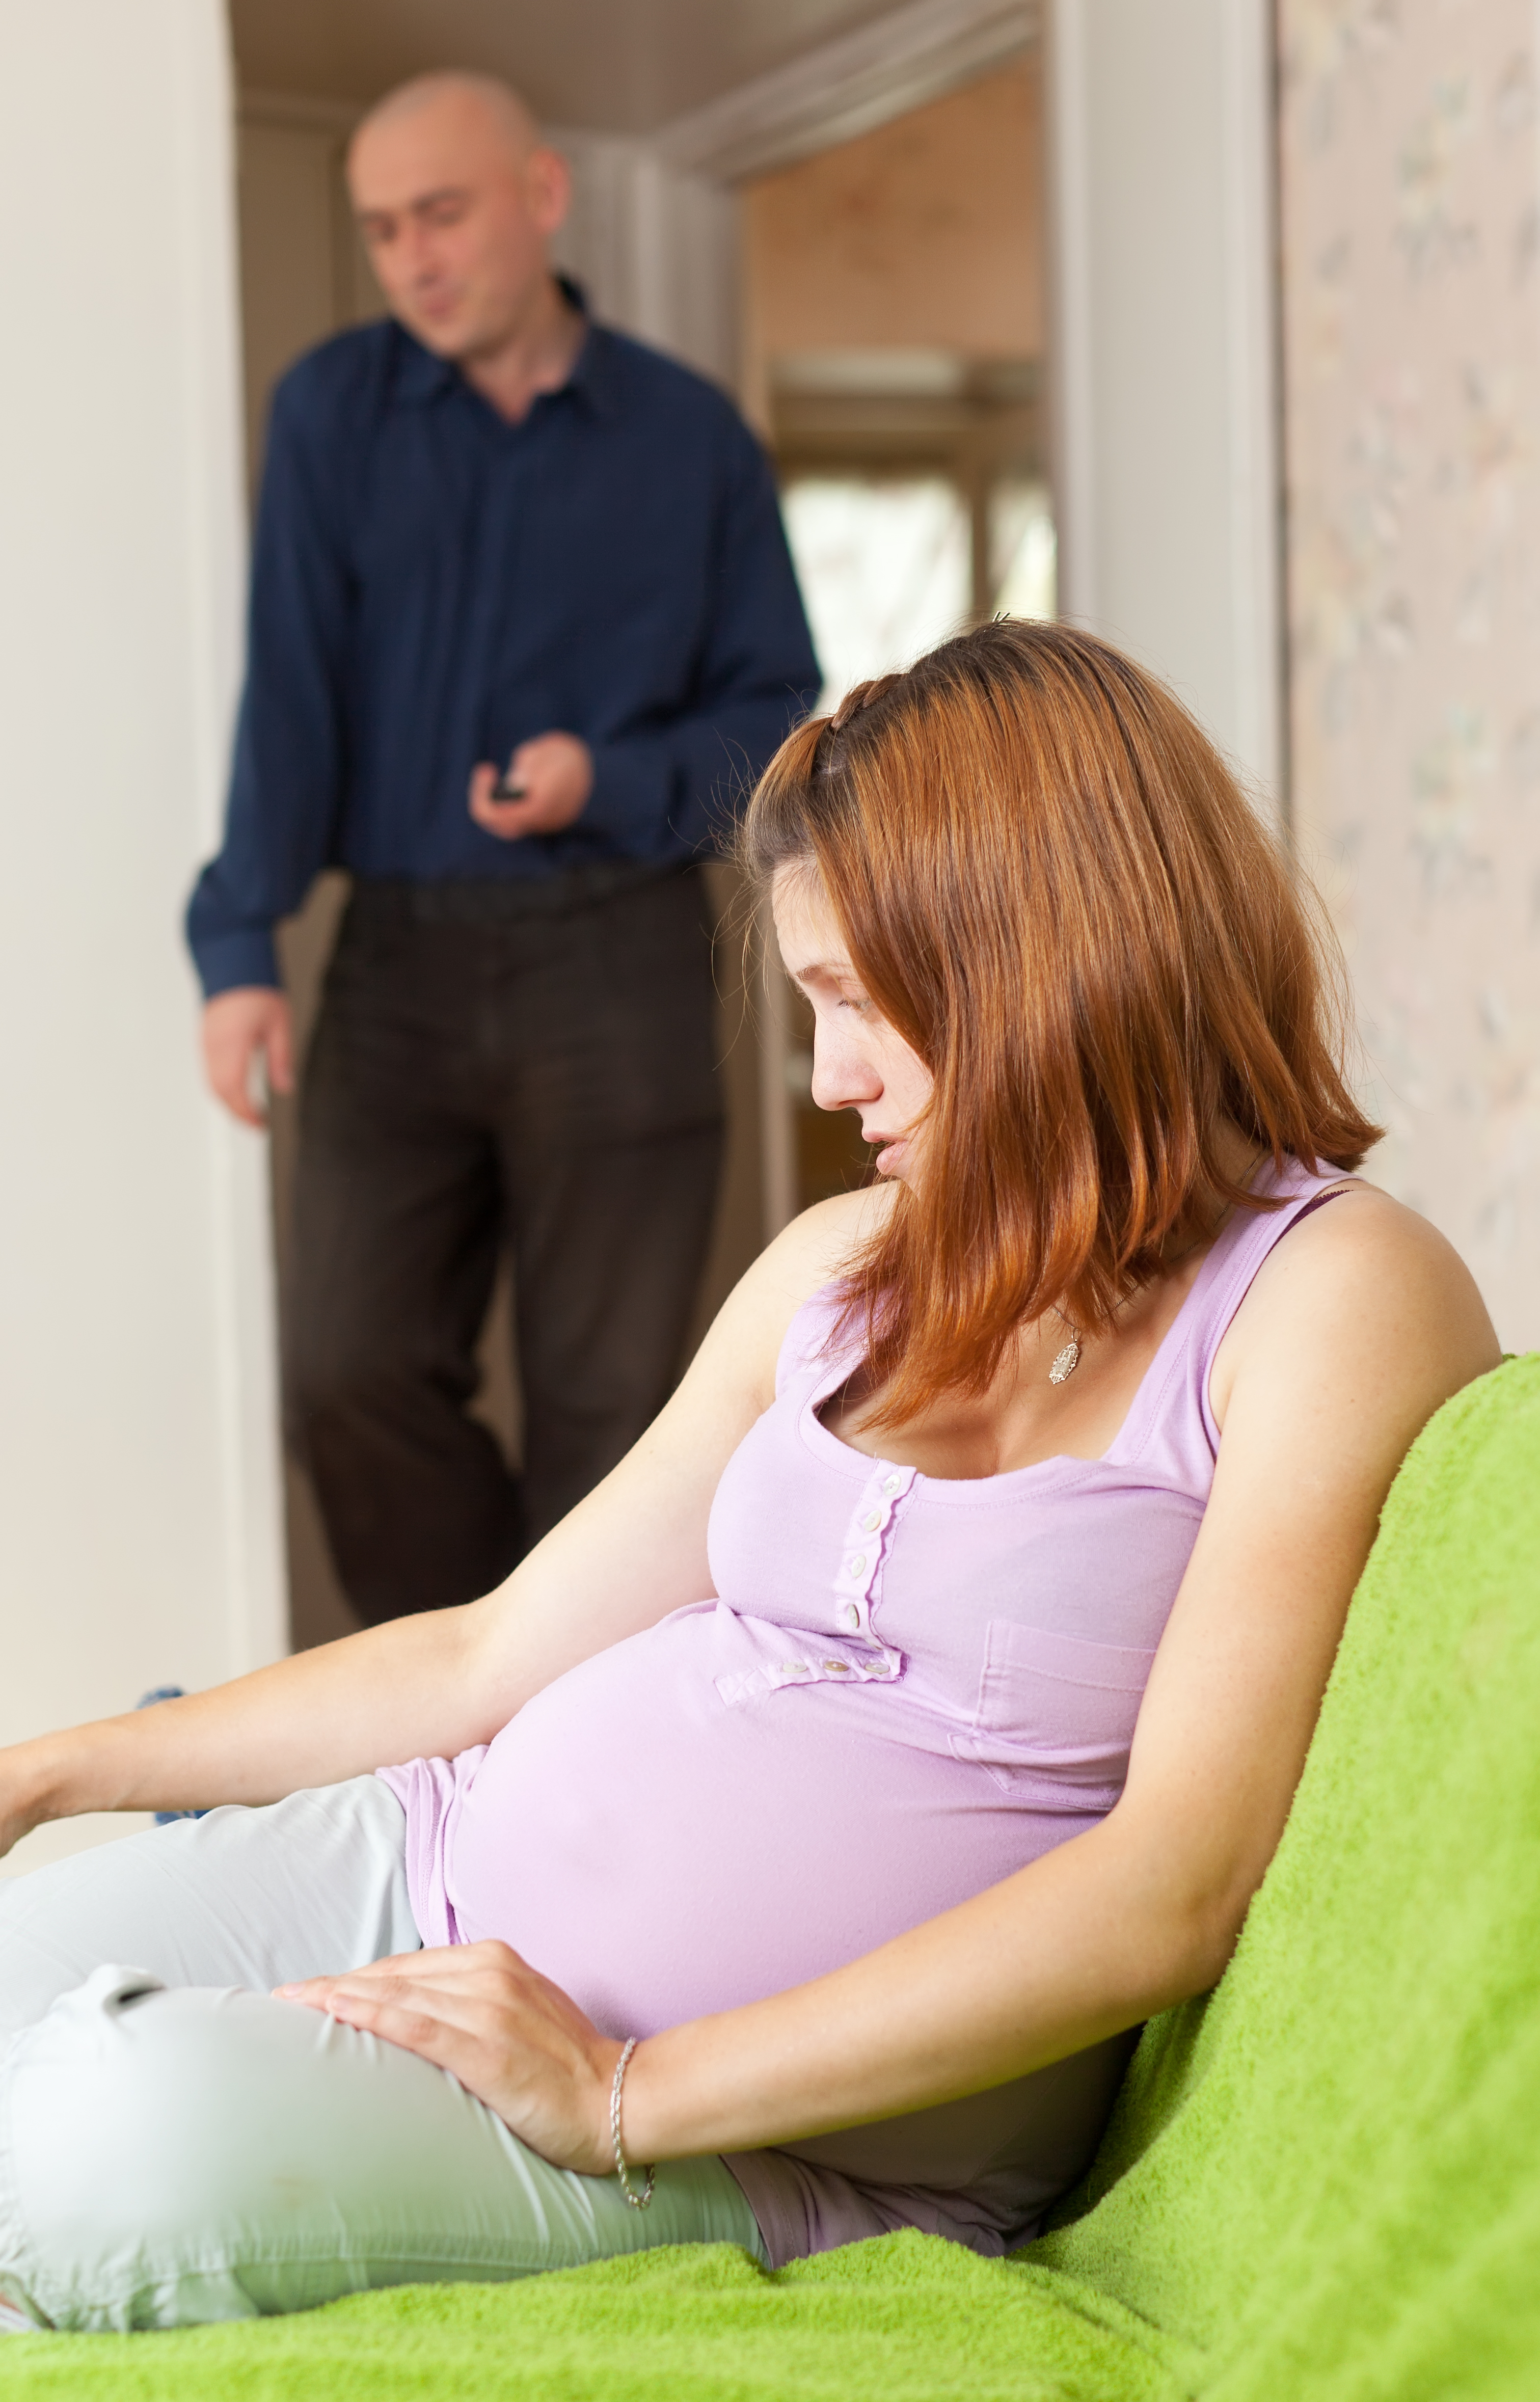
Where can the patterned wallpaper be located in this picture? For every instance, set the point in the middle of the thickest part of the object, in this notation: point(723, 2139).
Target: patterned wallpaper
point(1410, 227)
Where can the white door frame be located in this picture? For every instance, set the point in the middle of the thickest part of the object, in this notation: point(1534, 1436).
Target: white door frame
point(1163, 361)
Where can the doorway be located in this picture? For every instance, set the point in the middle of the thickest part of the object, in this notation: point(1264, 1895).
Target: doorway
point(889, 299)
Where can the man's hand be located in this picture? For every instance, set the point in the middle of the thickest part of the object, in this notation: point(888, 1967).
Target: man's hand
point(513, 2038)
point(240, 1028)
point(556, 773)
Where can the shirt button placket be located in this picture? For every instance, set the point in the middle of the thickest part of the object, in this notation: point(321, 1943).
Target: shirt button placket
point(858, 1568)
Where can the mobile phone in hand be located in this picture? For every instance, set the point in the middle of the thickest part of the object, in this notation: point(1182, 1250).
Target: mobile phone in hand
point(504, 791)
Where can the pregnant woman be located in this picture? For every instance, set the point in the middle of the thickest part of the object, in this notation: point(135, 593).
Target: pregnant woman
point(789, 1850)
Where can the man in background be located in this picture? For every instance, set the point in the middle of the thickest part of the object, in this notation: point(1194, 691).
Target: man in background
point(522, 624)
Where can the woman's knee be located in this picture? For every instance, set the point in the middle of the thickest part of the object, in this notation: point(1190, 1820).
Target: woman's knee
point(178, 2156)
point(129, 2120)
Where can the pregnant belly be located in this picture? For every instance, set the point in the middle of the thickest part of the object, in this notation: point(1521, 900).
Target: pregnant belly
point(661, 1853)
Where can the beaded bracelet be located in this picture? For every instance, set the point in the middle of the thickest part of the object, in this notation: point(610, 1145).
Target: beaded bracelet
point(637, 2200)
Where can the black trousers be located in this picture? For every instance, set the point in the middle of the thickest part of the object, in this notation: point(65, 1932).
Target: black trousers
point(531, 1067)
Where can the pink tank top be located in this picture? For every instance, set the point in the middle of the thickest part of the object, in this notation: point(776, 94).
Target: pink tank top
point(902, 1690)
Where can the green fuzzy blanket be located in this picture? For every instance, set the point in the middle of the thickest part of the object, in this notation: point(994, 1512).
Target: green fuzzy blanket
point(1323, 2181)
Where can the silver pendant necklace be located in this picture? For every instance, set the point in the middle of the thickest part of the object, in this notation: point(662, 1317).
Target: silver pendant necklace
point(1065, 1361)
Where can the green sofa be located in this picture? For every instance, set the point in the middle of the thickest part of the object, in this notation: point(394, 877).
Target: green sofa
point(1323, 2181)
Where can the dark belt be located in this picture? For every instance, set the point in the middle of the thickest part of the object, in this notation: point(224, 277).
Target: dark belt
point(495, 901)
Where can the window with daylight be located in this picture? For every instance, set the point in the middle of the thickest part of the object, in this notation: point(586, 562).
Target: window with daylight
point(885, 568)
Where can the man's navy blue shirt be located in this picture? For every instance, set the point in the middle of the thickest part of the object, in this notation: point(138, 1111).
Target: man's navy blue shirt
point(432, 586)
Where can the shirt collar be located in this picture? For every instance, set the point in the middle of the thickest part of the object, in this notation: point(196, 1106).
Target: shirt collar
point(593, 380)
point(420, 377)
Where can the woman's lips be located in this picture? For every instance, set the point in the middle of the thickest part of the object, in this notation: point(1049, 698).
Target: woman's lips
point(892, 1144)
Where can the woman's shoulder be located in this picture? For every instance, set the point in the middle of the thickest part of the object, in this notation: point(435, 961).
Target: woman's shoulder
point(1363, 1287)
point(797, 1269)
point(818, 1245)
point(799, 1274)
point(1367, 1233)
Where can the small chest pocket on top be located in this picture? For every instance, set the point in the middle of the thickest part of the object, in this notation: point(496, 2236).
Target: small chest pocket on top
point(1056, 1715)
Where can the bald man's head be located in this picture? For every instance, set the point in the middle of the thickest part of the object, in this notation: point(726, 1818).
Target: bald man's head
point(456, 198)
point(506, 114)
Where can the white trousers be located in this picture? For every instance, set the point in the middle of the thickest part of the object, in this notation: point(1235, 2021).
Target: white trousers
point(176, 2146)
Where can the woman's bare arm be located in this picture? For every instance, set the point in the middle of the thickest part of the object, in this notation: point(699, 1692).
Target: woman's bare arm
point(439, 1682)
point(1361, 1324)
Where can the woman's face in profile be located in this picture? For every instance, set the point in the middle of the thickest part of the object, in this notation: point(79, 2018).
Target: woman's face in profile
point(859, 1061)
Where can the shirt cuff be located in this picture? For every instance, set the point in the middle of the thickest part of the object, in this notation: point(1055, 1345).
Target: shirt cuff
point(631, 803)
point(245, 956)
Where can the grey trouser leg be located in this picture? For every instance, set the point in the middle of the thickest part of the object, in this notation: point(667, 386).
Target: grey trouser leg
point(171, 2157)
point(252, 1898)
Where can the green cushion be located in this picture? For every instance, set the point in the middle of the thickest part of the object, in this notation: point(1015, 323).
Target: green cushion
point(905, 2319)
point(1324, 2181)
point(1327, 2173)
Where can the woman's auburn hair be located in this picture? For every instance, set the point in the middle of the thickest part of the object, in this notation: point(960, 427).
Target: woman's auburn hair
point(1050, 884)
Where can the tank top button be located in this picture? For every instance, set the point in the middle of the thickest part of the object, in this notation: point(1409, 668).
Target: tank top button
point(850, 1615)
point(871, 1521)
point(858, 1563)
point(838, 1667)
point(891, 1483)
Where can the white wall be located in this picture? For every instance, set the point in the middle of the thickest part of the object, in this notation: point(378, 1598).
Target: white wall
point(138, 1517)
point(1163, 348)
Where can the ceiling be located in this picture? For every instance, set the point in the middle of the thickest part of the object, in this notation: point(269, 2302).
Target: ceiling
point(622, 66)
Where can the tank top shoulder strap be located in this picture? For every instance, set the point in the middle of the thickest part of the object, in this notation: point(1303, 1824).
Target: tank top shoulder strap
point(805, 1354)
point(1175, 1426)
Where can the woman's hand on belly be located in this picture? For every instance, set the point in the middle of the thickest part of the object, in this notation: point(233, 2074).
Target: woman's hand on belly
point(513, 2039)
